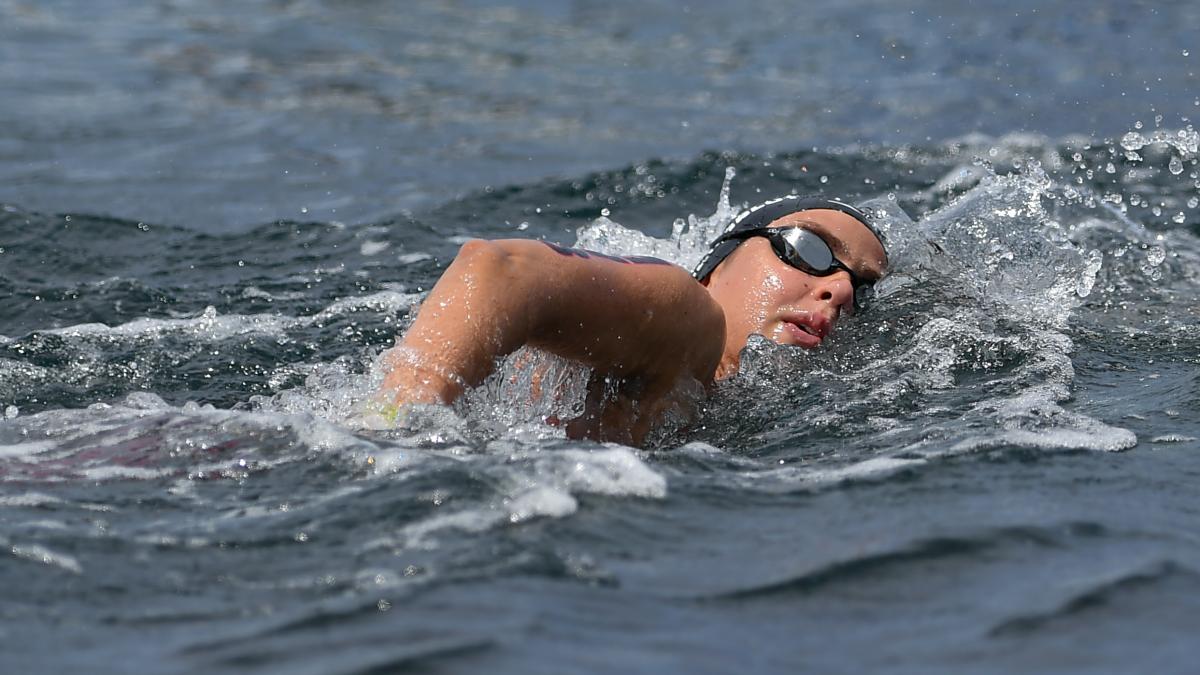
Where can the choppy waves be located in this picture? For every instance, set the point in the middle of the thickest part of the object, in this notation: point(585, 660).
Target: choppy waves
point(202, 404)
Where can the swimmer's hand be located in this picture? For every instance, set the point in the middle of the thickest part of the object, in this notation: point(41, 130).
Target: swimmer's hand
point(415, 376)
point(379, 415)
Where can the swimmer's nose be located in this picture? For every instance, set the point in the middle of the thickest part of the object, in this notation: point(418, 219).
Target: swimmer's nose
point(837, 290)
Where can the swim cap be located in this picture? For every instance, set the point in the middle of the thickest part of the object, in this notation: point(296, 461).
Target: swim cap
point(768, 212)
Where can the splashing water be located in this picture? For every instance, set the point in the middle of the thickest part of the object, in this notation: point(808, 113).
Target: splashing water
point(237, 408)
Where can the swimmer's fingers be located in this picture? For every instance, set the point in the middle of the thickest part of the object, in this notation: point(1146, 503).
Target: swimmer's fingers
point(380, 415)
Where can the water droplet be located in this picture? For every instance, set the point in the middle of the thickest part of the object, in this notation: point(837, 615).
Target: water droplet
point(824, 179)
point(303, 209)
point(1176, 166)
point(11, 412)
point(1186, 53)
point(1137, 124)
point(1109, 168)
point(1179, 218)
point(1156, 255)
point(605, 212)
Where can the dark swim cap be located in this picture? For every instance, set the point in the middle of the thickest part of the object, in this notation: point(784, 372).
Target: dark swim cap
point(768, 212)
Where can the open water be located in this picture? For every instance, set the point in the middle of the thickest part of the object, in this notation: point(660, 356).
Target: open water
point(214, 216)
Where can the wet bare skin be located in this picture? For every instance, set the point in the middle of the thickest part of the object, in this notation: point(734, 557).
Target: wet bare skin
point(760, 294)
point(649, 325)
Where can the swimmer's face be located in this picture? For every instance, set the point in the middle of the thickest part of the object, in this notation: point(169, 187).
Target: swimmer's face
point(762, 294)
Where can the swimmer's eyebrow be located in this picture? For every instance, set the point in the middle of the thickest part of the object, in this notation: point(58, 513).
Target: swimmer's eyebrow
point(839, 246)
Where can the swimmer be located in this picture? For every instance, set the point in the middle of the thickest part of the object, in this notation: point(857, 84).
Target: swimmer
point(787, 269)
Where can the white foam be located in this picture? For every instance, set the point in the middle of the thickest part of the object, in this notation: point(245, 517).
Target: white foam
point(145, 400)
point(1173, 438)
point(417, 534)
point(255, 292)
point(29, 499)
point(369, 247)
point(26, 449)
point(539, 483)
point(43, 555)
point(537, 501)
point(792, 478)
point(46, 524)
point(387, 300)
point(119, 472)
point(541, 501)
point(873, 468)
point(410, 258)
point(615, 471)
point(211, 325)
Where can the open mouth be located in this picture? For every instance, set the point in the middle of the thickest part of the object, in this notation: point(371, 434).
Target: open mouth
point(806, 329)
point(801, 335)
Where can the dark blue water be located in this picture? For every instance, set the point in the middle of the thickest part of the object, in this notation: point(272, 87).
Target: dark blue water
point(214, 216)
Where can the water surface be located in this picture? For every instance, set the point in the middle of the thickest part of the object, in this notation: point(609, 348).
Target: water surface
point(990, 469)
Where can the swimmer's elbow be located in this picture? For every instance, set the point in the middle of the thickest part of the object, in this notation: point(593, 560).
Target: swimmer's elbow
point(478, 250)
point(512, 268)
point(495, 254)
point(482, 258)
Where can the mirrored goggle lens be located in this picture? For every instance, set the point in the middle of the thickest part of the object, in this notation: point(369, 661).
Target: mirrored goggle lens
point(808, 251)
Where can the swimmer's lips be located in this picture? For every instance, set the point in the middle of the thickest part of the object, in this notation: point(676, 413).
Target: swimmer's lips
point(806, 329)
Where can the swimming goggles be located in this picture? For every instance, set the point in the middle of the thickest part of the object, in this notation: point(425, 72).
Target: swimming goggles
point(806, 251)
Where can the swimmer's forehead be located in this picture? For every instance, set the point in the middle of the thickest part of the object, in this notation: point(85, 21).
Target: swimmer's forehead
point(853, 243)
